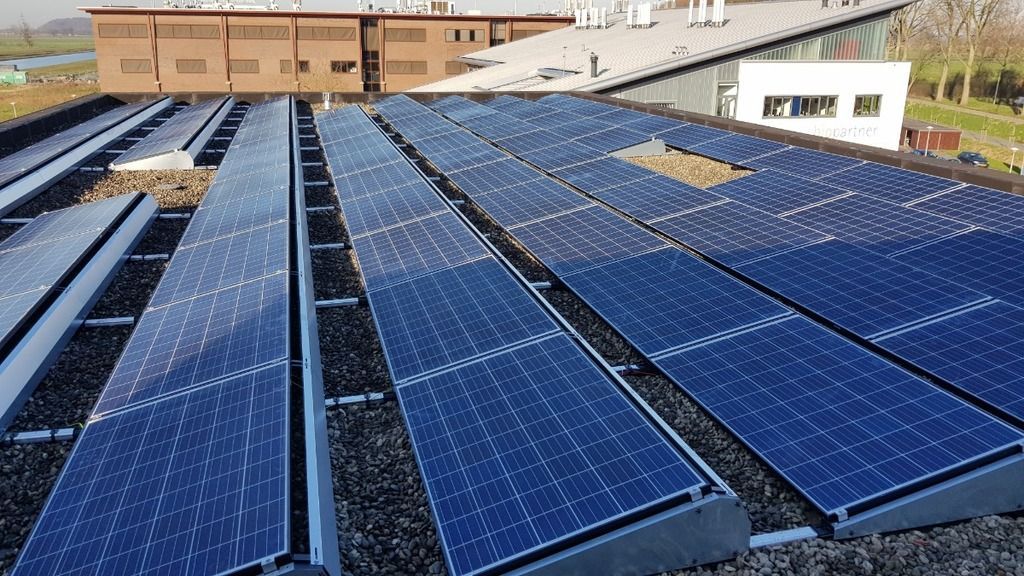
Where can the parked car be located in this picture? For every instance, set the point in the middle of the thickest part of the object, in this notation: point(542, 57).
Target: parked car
point(972, 158)
point(927, 153)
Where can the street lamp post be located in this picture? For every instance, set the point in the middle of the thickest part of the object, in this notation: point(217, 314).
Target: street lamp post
point(1013, 156)
point(928, 140)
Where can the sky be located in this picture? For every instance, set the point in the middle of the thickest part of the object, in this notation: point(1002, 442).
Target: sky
point(38, 12)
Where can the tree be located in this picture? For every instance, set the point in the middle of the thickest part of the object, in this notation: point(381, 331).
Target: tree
point(976, 17)
point(26, 32)
point(946, 24)
point(1005, 43)
point(904, 26)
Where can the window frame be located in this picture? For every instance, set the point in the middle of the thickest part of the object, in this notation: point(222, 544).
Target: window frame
point(874, 108)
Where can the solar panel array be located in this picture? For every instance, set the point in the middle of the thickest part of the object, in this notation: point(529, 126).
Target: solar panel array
point(841, 424)
point(29, 158)
point(176, 133)
point(522, 441)
point(183, 466)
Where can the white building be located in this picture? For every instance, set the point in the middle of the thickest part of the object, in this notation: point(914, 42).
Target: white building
point(811, 66)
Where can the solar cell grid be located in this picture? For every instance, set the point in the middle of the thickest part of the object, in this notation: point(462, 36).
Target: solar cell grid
point(500, 126)
point(560, 156)
point(174, 134)
point(355, 159)
point(254, 184)
point(839, 423)
point(446, 142)
point(467, 112)
point(530, 141)
point(571, 128)
point(803, 162)
point(857, 289)
point(529, 201)
point(371, 213)
point(42, 265)
point(690, 135)
point(471, 158)
point(15, 308)
point(985, 207)
point(667, 298)
point(516, 456)
point(494, 176)
point(584, 239)
point(651, 125)
point(453, 315)
point(612, 139)
point(621, 117)
point(602, 174)
point(888, 183)
point(51, 226)
point(775, 192)
point(657, 197)
point(367, 182)
point(733, 233)
point(881, 227)
point(212, 222)
point(737, 148)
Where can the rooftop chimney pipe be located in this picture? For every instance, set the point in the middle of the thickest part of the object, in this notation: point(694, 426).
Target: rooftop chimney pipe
point(593, 65)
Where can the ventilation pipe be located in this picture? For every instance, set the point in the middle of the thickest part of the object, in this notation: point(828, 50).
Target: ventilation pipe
point(689, 15)
point(629, 16)
point(702, 14)
point(593, 65)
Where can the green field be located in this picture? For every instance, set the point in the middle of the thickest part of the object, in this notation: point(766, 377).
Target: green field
point(928, 77)
point(32, 97)
point(44, 46)
point(964, 120)
point(74, 68)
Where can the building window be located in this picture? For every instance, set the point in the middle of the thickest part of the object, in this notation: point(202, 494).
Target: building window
point(343, 67)
point(191, 66)
point(187, 31)
point(134, 66)
point(258, 32)
point(244, 66)
point(405, 35)
point(406, 67)
point(325, 33)
point(520, 34)
point(867, 105)
point(453, 67)
point(123, 31)
point(303, 66)
point(498, 28)
point(286, 66)
point(800, 106)
point(463, 35)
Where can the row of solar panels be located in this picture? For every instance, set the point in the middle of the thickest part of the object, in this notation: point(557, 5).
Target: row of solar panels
point(176, 143)
point(848, 429)
point(525, 445)
point(184, 466)
point(52, 271)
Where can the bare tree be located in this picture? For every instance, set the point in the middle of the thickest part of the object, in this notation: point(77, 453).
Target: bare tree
point(1004, 43)
point(976, 17)
point(25, 31)
point(904, 26)
point(946, 26)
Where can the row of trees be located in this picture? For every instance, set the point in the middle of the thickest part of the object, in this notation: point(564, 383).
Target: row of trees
point(965, 31)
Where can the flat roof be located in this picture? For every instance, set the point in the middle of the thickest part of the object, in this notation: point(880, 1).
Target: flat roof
point(304, 14)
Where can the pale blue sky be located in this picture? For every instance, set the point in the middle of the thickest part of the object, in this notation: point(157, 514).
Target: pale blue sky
point(39, 11)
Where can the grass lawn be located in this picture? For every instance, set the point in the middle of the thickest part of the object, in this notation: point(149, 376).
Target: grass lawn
point(83, 67)
point(33, 97)
point(966, 121)
point(44, 46)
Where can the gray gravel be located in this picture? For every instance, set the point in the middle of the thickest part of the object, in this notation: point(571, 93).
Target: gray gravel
point(353, 361)
point(26, 475)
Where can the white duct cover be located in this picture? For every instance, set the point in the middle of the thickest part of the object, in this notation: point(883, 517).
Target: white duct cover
point(689, 15)
point(629, 16)
point(702, 14)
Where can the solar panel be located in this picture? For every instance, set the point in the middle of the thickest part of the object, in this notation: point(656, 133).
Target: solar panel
point(657, 197)
point(602, 174)
point(985, 207)
point(612, 139)
point(653, 125)
point(174, 134)
point(445, 142)
point(543, 454)
point(560, 156)
point(690, 135)
point(449, 162)
point(570, 127)
point(837, 422)
point(584, 239)
point(775, 192)
point(803, 162)
point(881, 227)
point(531, 141)
point(667, 298)
point(529, 201)
point(367, 182)
point(981, 351)
point(355, 159)
point(42, 265)
point(191, 342)
point(15, 309)
point(888, 183)
point(737, 148)
point(398, 254)
point(453, 315)
point(857, 289)
point(371, 213)
point(500, 126)
point(985, 261)
point(621, 116)
point(494, 176)
point(733, 233)
point(196, 484)
point(51, 226)
point(212, 222)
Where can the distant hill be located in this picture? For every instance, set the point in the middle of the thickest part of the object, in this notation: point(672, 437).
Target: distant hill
point(80, 26)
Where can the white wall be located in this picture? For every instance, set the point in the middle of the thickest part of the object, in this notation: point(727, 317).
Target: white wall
point(758, 79)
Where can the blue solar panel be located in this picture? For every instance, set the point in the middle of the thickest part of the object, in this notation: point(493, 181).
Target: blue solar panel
point(881, 227)
point(529, 201)
point(981, 351)
point(653, 125)
point(561, 156)
point(668, 298)
point(621, 116)
point(856, 289)
point(212, 222)
point(225, 190)
point(453, 315)
point(42, 265)
point(657, 197)
point(733, 233)
point(188, 343)
point(737, 148)
point(176, 133)
point(371, 213)
point(839, 423)
point(351, 159)
point(222, 263)
point(450, 162)
point(352, 186)
point(888, 183)
point(531, 141)
point(444, 142)
point(985, 207)
point(602, 174)
point(500, 126)
point(690, 135)
point(584, 239)
point(494, 176)
point(775, 192)
point(803, 162)
point(397, 254)
point(59, 224)
point(979, 259)
point(193, 485)
point(612, 139)
point(517, 456)
point(15, 309)
point(569, 126)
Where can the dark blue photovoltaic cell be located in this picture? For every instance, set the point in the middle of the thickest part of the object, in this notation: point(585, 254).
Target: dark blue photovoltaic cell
point(985, 207)
point(736, 148)
point(857, 289)
point(733, 233)
point(803, 162)
point(226, 190)
point(453, 315)
point(561, 156)
point(881, 227)
point(367, 182)
point(531, 141)
point(653, 125)
point(529, 201)
point(371, 213)
point(494, 176)
point(690, 135)
point(979, 259)
point(667, 298)
point(602, 174)
point(612, 139)
point(888, 183)
point(981, 351)
point(222, 263)
point(838, 422)
point(58, 224)
point(194, 485)
point(185, 344)
point(657, 197)
point(515, 455)
point(583, 239)
point(775, 192)
point(14, 309)
point(621, 117)
point(212, 222)
point(42, 265)
point(466, 159)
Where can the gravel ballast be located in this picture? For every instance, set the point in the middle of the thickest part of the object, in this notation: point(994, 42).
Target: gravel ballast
point(693, 169)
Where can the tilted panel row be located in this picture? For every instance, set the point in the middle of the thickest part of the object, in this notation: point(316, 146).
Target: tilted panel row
point(184, 133)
